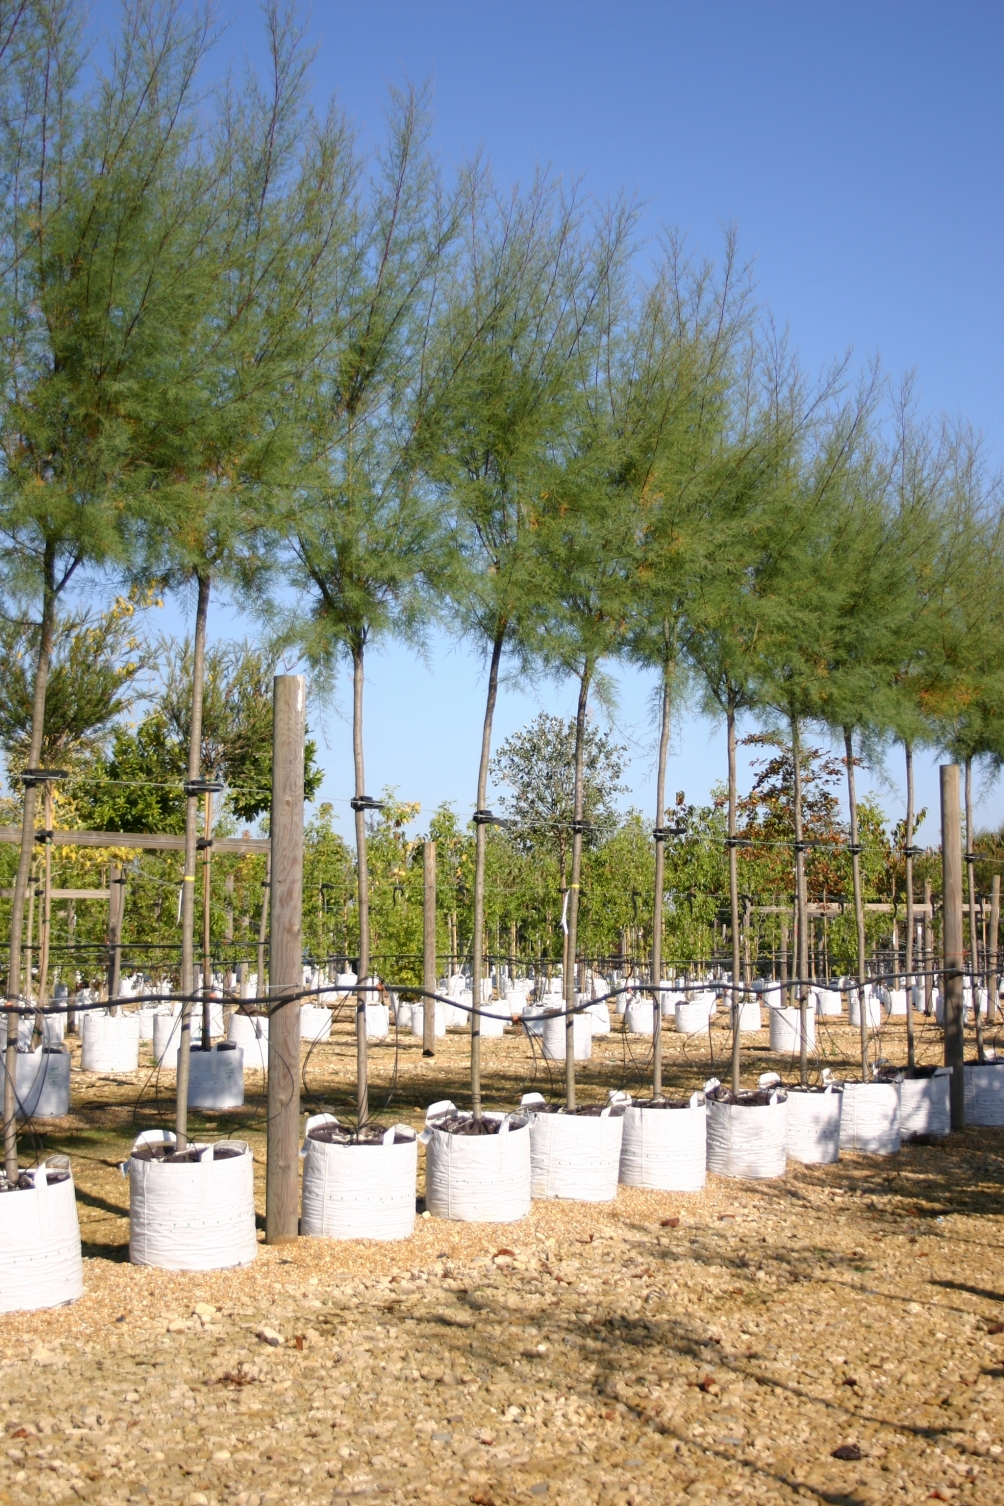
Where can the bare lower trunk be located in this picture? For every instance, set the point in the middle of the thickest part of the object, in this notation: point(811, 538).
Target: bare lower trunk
point(734, 899)
point(24, 867)
point(363, 877)
point(859, 909)
point(207, 961)
point(477, 944)
point(911, 1052)
point(660, 865)
point(188, 877)
point(46, 918)
point(573, 894)
point(974, 949)
point(260, 989)
point(801, 965)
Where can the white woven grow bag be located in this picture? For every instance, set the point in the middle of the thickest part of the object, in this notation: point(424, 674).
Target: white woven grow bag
point(813, 1131)
point(250, 1032)
point(869, 1119)
point(639, 1017)
point(925, 1104)
point(897, 1003)
point(492, 1019)
point(553, 1037)
point(40, 1243)
point(53, 1029)
point(983, 1087)
point(377, 1022)
point(574, 1155)
point(665, 1148)
point(786, 1029)
point(359, 1191)
point(599, 1017)
point(167, 1038)
point(43, 1084)
point(25, 1029)
point(533, 1019)
point(477, 1178)
point(692, 1018)
point(418, 1019)
point(749, 1016)
point(216, 1077)
point(147, 1014)
point(829, 1004)
point(748, 1140)
point(191, 1215)
point(873, 1009)
point(110, 1043)
point(315, 1023)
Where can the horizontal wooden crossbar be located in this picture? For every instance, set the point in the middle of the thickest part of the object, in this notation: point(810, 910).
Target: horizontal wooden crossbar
point(160, 841)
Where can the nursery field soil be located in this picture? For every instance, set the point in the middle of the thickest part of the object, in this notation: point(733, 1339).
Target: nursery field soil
point(712, 1347)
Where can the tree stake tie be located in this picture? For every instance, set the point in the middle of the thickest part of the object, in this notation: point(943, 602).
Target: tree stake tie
point(564, 911)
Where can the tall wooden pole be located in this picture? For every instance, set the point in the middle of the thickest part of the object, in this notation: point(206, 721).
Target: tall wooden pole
point(911, 1049)
point(928, 949)
point(282, 1174)
point(429, 948)
point(263, 925)
point(953, 958)
point(116, 906)
point(993, 980)
point(43, 947)
point(207, 896)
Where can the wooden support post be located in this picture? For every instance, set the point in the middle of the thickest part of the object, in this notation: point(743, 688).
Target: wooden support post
point(116, 907)
point(282, 1174)
point(263, 925)
point(928, 950)
point(207, 895)
point(429, 948)
point(993, 978)
point(45, 927)
point(953, 959)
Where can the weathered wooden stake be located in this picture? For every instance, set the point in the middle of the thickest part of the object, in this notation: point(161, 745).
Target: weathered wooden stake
point(928, 950)
point(282, 1174)
point(993, 978)
point(952, 944)
point(429, 949)
point(116, 907)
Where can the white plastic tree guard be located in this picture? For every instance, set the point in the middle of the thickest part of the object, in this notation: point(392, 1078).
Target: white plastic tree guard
point(40, 1241)
point(639, 1017)
point(553, 1036)
point(786, 1029)
point(359, 1191)
point(829, 1004)
point(250, 1032)
point(983, 1087)
point(43, 1083)
point(574, 1155)
point(477, 1178)
point(812, 1135)
point(869, 1119)
point(924, 1102)
point(315, 1023)
point(748, 1138)
point(110, 1043)
point(665, 1145)
point(216, 1077)
point(873, 1008)
point(192, 1215)
point(693, 1018)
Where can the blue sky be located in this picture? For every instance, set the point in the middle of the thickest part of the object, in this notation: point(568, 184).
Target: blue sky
point(856, 147)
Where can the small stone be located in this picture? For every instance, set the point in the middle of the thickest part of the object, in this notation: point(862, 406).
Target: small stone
point(197, 1498)
point(221, 1456)
point(270, 1336)
point(204, 1310)
point(43, 1356)
point(540, 1489)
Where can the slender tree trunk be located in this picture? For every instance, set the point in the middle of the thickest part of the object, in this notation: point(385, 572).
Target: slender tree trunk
point(47, 629)
point(802, 967)
point(481, 837)
point(260, 990)
point(363, 876)
point(974, 949)
point(859, 909)
point(660, 867)
point(207, 961)
point(911, 1051)
point(46, 918)
point(928, 950)
point(785, 996)
point(573, 897)
point(188, 878)
point(734, 898)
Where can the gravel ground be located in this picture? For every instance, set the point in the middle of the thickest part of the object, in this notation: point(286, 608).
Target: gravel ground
point(715, 1347)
